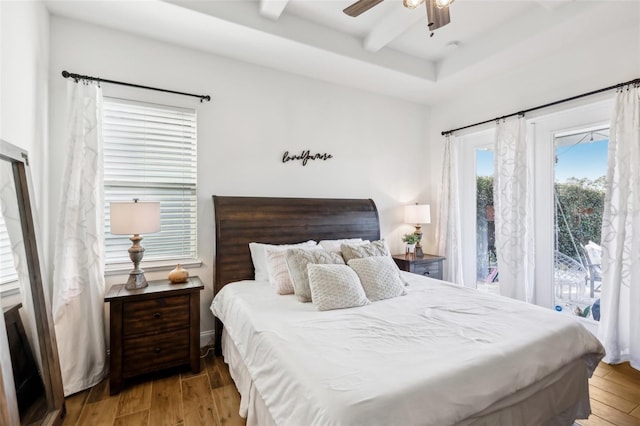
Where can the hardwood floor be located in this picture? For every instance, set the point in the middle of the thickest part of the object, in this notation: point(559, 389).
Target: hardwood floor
point(178, 398)
point(615, 396)
point(211, 398)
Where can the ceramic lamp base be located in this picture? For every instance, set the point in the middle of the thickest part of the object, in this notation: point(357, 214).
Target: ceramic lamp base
point(136, 281)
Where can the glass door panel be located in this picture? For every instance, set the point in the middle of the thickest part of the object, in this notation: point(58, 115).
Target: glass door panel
point(487, 275)
point(579, 189)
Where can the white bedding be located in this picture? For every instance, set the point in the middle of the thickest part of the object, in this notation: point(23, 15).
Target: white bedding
point(438, 356)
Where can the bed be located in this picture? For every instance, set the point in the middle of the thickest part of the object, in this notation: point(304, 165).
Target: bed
point(442, 354)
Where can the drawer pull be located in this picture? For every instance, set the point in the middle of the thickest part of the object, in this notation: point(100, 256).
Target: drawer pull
point(157, 350)
point(157, 315)
point(426, 273)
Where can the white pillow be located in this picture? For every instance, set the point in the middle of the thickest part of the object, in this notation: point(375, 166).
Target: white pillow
point(334, 245)
point(297, 260)
point(335, 287)
point(259, 257)
point(279, 276)
point(379, 277)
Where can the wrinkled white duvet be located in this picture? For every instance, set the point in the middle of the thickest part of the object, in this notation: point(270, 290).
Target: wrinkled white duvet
point(435, 356)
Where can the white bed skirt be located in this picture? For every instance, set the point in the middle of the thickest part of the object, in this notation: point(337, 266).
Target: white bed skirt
point(565, 393)
point(252, 406)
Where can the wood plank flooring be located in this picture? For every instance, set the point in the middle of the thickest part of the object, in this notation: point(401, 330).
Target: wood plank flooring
point(178, 398)
point(211, 398)
point(615, 396)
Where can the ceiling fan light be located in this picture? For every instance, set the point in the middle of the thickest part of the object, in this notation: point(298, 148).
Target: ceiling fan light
point(443, 3)
point(412, 4)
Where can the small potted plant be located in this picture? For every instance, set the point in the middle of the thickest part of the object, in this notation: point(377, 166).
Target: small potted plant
point(410, 240)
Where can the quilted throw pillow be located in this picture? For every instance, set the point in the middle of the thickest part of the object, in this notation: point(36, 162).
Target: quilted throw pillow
point(277, 266)
point(334, 245)
point(259, 257)
point(379, 277)
point(356, 251)
point(374, 248)
point(297, 261)
point(335, 287)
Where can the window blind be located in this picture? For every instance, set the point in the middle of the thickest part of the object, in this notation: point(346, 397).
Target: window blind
point(8, 275)
point(150, 153)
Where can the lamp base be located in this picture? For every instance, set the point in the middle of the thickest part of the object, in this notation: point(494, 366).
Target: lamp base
point(136, 281)
point(419, 252)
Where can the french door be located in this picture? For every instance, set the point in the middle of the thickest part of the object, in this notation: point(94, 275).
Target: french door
point(569, 171)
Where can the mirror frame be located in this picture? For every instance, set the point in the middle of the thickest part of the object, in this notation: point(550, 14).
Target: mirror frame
point(51, 375)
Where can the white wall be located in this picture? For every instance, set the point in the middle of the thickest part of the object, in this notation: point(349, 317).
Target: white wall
point(24, 74)
point(378, 143)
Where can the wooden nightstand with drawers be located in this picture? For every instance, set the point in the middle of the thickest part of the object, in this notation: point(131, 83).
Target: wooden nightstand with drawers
point(153, 328)
point(429, 265)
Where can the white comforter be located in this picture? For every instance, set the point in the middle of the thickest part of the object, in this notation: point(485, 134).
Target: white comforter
point(435, 356)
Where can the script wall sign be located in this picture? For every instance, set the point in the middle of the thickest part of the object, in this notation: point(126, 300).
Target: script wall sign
point(305, 156)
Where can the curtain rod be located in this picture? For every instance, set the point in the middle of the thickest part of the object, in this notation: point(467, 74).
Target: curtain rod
point(616, 86)
point(77, 77)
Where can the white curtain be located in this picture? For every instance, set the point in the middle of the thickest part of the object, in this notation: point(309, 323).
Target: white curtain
point(78, 274)
point(620, 301)
point(448, 236)
point(513, 201)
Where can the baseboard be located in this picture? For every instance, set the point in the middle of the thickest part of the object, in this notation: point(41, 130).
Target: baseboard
point(207, 338)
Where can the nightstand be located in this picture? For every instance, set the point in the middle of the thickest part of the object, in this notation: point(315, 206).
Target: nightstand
point(429, 265)
point(153, 328)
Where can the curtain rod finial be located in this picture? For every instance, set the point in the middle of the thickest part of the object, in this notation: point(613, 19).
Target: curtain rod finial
point(65, 74)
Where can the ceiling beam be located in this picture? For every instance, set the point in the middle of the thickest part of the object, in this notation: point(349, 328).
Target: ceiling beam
point(392, 26)
point(272, 9)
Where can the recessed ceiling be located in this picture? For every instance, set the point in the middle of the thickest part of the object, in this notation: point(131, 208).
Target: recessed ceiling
point(385, 50)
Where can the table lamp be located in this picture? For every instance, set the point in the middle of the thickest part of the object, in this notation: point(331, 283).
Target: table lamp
point(417, 214)
point(135, 218)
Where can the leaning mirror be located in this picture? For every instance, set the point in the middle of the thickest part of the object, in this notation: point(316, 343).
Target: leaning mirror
point(30, 381)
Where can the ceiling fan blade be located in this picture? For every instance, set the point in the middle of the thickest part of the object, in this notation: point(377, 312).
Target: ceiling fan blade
point(361, 6)
point(437, 17)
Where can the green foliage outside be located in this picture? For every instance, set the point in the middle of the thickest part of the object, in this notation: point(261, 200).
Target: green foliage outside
point(581, 201)
point(485, 228)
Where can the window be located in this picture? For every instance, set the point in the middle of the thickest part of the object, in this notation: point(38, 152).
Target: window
point(478, 220)
point(487, 276)
point(570, 154)
point(8, 274)
point(150, 154)
point(579, 193)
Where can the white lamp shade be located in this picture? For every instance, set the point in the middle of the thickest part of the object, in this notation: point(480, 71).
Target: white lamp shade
point(130, 218)
point(417, 213)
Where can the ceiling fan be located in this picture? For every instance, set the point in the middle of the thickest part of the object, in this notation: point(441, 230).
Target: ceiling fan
point(437, 10)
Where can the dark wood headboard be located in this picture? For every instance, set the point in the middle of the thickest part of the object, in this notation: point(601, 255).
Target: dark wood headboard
point(241, 220)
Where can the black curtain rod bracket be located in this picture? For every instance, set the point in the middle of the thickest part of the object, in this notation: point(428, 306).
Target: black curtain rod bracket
point(635, 82)
point(78, 77)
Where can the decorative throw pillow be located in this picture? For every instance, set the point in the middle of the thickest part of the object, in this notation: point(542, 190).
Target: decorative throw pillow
point(277, 266)
point(259, 257)
point(297, 260)
point(335, 287)
point(356, 251)
point(334, 245)
point(379, 277)
point(374, 248)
